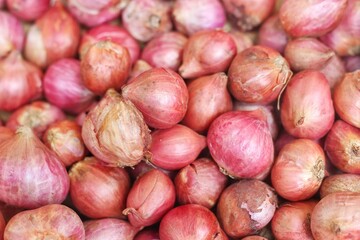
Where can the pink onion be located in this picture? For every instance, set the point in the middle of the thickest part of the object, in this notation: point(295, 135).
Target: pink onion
point(303, 18)
point(52, 221)
point(145, 19)
point(150, 198)
point(199, 57)
point(340, 183)
point(334, 71)
point(5, 133)
point(246, 207)
point(283, 139)
point(12, 34)
point(115, 132)
point(28, 10)
point(147, 234)
point(254, 238)
point(64, 87)
point(20, 82)
point(307, 110)
point(30, 168)
point(208, 98)
point(161, 96)
point(243, 40)
point(138, 68)
point(272, 34)
point(143, 167)
point(352, 63)
point(2, 3)
point(241, 144)
point(191, 16)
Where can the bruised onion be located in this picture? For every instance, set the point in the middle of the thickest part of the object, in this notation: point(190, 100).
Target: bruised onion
point(207, 52)
point(298, 170)
point(258, 75)
point(161, 96)
point(241, 144)
point(201, 182)
point(97, 190)
point(105, 65)
point(115, 132)
point(272, 34)
point(150, 198)
point(27, 10)
point(20, 82)
point(340, 183)
point(246, 207)
point(36, 173)
point(208, 98)
point(5, 133)
point(52, 221)
point(307, 109)
point(12, 35)
point(175, 147)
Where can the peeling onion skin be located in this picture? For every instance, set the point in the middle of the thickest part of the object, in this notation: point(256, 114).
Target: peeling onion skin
point(337, 216)
point(345, 182)
point(115, 132)
point(52, 221)
point(246, 207)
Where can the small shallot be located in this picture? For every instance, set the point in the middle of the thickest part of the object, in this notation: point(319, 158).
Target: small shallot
point(273, 35)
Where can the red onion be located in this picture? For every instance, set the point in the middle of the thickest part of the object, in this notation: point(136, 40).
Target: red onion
point(145, 19)
point(248, 14)
point(340, 183)
point(28, 10)
point(243, 40)
point(345, 38)
point(292, 221)
point(161, 96)
point(113, 33)
point(2, 3)
point(20, 82)
point(272, 34)
point(199, 57)
point(150, 198)
point(347, 98)
point(258, 75)
point(191, 16)
point(115, 131)
point(190, 221)
point(105, 65)
point(175, 147)
point(298, 178)
point(337, 216)
point(147, 234)
point(342, 145)
point(254, 238)
point(352, 63)
point(303, 18)
point(109, 228)
point(208, 98)
point(31, 169)
point(307, 53)
point(139, 67)
point(52, 221)
point(240, 143)
point(97, 190)
point(12, 34)
point(64, 87)
point(246, 207)
point(334, 71)
point(8, 212)
point(143, 167)
point(165, 50)
point(307, 110)
point(201, 183)
point(5, 133)
point(94, 13)
point(64, 138)
point(283, 139)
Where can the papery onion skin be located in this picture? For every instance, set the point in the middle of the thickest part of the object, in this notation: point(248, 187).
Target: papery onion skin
point(150, 198)
point(144, 19)
point(201, 182)
point(273, 35)
point(292, 221)
point(63, 86)
point(109, 228)
point(295, 178)
point(238, 213)
point(337, 216)
point(115, 132)
point(241, 144)
point(5, 133)
point(175, 147)
point(347, 98)
point(307, 109)
point(147, 234)
point(12, 35)
point(303, 18)
point(28, 10)
point(199, 57)
point(20, 82)
point(208, 98)
point(105, 65)
point(114, 33)
point(203, 226)
point(344, 182)
point(258, 74)
point(342, 146)
point(352, 63)
point(193, 16)
point(161, 96)
point(52, 221)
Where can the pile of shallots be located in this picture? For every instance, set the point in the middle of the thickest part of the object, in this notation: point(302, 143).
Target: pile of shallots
point(180, 119)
